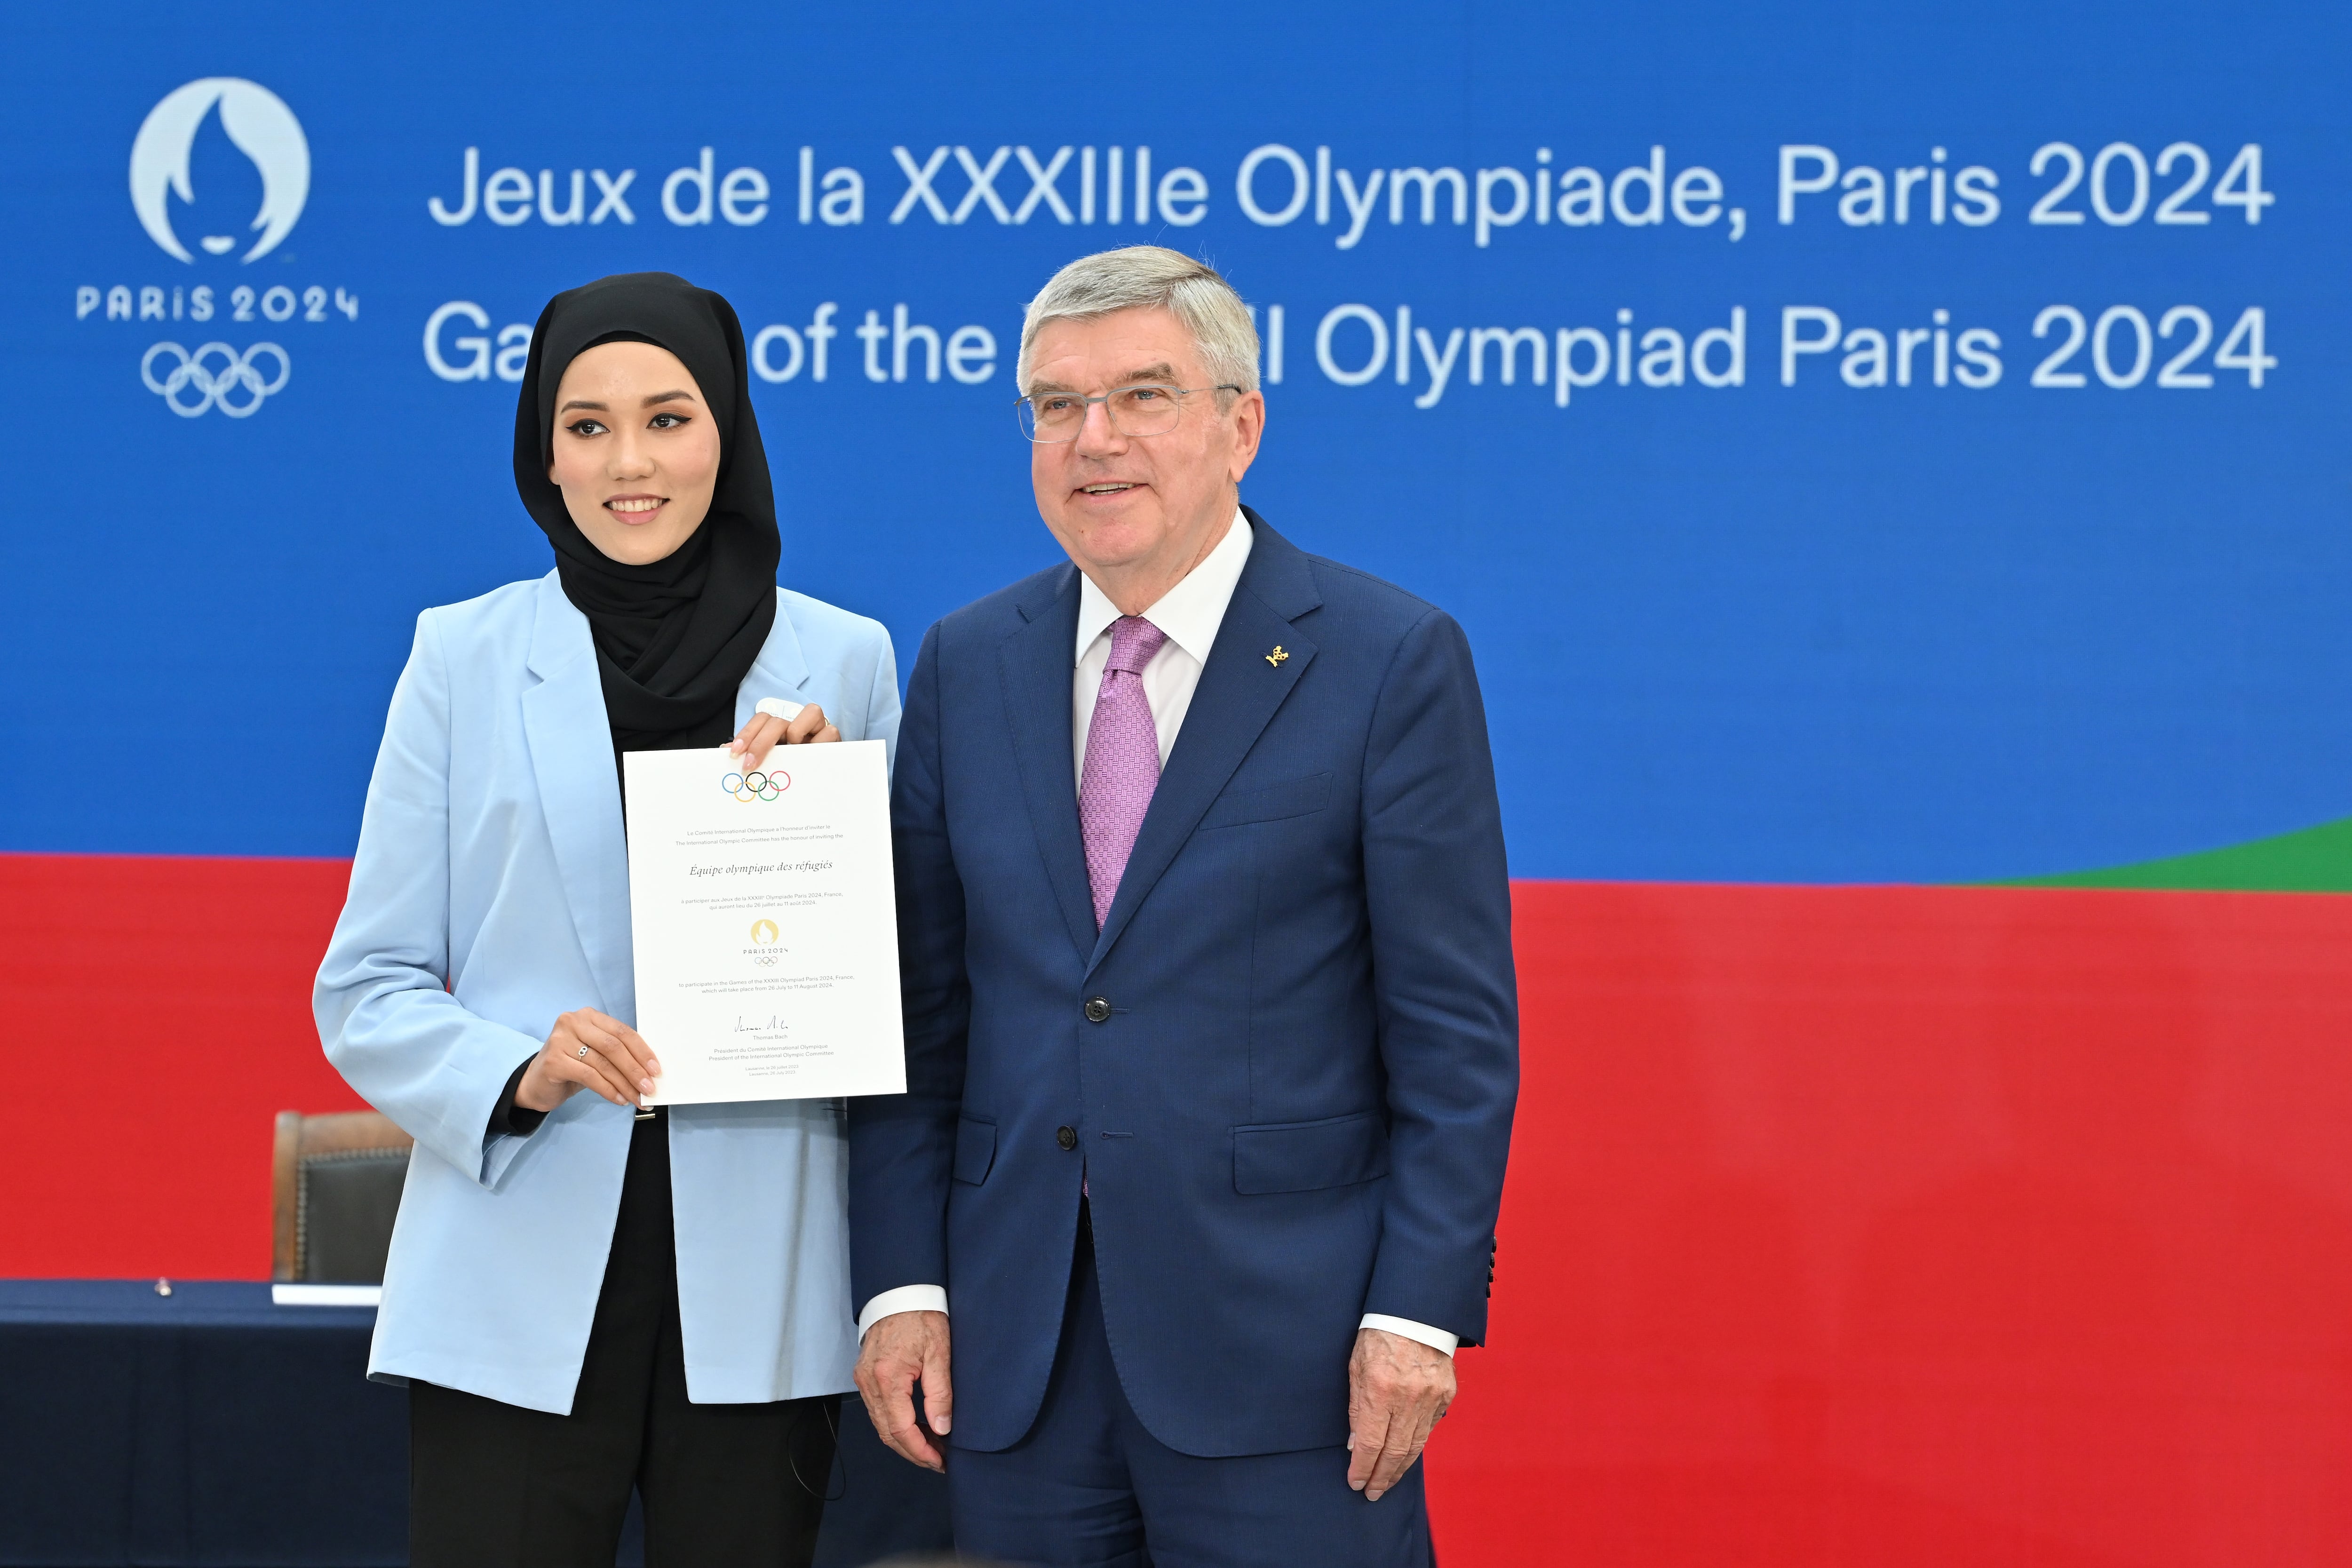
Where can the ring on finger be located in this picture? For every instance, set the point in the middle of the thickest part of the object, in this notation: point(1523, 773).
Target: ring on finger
point(583, 1052)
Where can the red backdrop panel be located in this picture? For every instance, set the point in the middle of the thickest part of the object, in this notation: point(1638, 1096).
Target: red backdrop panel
point(159, 1011)
point(1919, 1226)
point(1845, 1225)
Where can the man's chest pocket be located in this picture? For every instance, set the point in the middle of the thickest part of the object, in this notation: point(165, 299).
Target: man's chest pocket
point(1296, 797)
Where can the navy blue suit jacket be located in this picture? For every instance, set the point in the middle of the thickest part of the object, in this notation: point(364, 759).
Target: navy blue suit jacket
point(1298, 1106)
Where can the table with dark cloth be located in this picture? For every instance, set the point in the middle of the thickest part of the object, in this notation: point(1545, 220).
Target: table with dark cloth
point(211, 1426)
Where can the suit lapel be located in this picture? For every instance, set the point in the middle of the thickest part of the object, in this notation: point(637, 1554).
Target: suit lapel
point(580, 796)
point(1035, 665)
point(1238, 695)
point(781, 670)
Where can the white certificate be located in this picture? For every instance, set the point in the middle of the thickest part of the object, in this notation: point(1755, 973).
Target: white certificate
point(766, 930)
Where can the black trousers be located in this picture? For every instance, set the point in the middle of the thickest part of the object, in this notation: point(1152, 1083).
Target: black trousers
point(496, 1485)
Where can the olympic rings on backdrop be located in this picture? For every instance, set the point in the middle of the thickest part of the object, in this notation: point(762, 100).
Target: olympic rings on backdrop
point(195, 373)
point(755, 786)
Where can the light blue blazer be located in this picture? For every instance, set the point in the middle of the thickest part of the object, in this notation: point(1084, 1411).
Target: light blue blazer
point(490, 893)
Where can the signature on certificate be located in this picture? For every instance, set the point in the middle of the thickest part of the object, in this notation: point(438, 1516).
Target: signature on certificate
point(774, 1025)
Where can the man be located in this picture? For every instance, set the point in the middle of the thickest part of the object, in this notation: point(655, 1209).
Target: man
point(1212, 1033)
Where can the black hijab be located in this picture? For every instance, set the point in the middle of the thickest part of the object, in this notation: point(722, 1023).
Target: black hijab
point(674, 637)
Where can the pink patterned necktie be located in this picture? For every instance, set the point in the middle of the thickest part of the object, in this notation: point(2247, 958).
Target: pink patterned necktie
point(1122, 767)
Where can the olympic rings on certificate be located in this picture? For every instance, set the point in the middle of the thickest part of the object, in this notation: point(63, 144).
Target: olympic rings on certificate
point(215, 371)
point(756, 786)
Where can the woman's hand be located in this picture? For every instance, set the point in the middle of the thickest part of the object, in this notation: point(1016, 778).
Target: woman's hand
point(589, 1051)
point(752, 742)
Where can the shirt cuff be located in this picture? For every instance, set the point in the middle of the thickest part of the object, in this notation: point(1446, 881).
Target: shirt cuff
point(507, 1117)
point(908, 1299)
point(1435, 1338)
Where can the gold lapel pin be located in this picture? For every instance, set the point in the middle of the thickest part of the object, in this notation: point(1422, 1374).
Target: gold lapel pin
point(1277, 656)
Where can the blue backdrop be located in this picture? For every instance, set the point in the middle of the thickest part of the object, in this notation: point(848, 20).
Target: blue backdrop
point(1882, 584)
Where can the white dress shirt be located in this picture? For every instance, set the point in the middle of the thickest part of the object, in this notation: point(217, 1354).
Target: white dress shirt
point(1190, 613)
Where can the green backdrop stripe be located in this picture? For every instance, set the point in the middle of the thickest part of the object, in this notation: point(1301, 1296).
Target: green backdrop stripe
point(2313, 860)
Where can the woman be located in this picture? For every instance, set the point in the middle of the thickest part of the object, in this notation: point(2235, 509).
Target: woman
point(581, 1299)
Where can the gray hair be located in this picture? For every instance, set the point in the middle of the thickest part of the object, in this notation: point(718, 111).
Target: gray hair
point(1155, 276)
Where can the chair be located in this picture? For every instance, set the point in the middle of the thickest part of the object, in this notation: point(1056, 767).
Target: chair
point(334, 1187)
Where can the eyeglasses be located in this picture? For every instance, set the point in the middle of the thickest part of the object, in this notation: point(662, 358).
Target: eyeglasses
point(1057, 417)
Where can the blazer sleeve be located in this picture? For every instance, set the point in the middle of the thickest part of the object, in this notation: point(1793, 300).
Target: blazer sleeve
point(1438, 896)
point(883, 715)
point(901, 1145)
point(382, 1000)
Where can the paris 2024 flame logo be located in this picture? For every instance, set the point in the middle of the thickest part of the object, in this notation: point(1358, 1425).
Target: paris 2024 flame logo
point(258, 123)
point(180, 143)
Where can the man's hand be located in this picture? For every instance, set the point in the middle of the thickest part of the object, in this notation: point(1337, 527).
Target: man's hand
point(899, 1349)
point(1397, 1390)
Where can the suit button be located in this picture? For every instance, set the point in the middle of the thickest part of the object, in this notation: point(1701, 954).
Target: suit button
point(1067, 1137)
point(1097, 1009)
